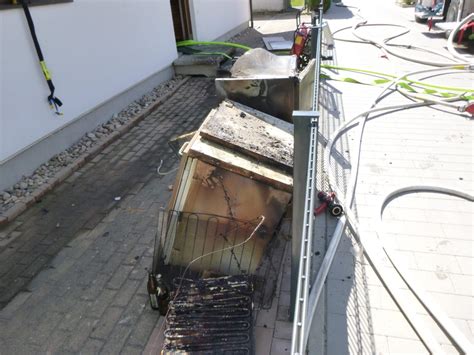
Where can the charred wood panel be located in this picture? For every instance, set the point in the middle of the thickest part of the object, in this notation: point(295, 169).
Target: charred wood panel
point(244, 131)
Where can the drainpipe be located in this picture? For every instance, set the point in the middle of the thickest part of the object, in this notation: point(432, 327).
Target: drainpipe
point(251, 13)
point(460, 10)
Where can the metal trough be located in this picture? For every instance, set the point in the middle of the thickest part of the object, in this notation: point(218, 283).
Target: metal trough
point(269, 83)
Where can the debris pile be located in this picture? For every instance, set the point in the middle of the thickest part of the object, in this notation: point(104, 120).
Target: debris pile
point(236, 168)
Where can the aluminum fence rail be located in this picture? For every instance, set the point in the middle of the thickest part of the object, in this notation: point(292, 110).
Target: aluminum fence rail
point(305, 163)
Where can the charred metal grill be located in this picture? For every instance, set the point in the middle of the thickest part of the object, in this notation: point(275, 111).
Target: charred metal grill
point(200, 234)
point(210, 316)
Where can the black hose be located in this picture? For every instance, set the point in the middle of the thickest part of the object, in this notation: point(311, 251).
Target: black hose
point(52, 99)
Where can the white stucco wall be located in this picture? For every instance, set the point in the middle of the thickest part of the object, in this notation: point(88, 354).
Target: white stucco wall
point(269, 5)
point(214, 18)
point(95, 49)
point(1, 88)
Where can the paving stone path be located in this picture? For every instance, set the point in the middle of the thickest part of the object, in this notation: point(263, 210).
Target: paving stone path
point(73, 277)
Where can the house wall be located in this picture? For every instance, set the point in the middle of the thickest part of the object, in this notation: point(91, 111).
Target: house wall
point(213, 19)
point(468, 8)
point(96, 51)
point(269, 5)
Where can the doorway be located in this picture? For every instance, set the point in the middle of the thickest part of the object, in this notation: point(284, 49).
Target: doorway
point(181, 20)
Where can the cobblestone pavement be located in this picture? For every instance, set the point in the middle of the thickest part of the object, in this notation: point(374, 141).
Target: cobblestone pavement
point(73, 279)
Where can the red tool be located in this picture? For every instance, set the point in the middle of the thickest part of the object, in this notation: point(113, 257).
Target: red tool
point(301, 37)
point(328, 202)
point(463, 29)
point(430, 23)
point(470, 109)
point(301, 47)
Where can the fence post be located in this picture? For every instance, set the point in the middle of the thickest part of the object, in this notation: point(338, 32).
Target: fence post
point(302, 121)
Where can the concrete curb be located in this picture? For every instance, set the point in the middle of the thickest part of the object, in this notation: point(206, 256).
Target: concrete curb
point(18, 208)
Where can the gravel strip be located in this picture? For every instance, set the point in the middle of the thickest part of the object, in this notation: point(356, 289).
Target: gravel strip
point(24, 190)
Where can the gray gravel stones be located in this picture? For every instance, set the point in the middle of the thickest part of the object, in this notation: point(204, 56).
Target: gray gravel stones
point(28, 184)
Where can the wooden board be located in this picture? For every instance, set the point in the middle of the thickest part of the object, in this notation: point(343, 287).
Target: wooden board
point(238, 163)
point(251, 133)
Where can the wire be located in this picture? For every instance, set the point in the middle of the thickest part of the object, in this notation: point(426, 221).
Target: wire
point(460, 108)
point(220, 251)
point(209, 254)
point(451, 49)
point(435, 311)
point(362, 119)
point(158, 170)
point(371, 249)
point(373, 253)
point(350, 220)
point(384, 45)
point(409, 46)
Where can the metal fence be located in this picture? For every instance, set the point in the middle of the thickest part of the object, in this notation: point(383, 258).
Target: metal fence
point(304, 182)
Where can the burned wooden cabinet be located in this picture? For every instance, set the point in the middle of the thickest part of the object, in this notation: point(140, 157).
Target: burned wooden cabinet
point(237, 167)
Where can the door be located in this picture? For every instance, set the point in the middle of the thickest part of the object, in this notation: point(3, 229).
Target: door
point(181, 20)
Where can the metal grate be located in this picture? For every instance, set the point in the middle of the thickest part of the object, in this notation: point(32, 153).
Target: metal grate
point(183, 237)
point(212, 315)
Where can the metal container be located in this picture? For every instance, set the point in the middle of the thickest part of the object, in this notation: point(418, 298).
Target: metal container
point(269, 83)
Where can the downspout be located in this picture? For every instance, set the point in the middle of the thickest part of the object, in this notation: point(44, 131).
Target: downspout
point(192, 14)
point(460, 10)
point(251, 13)
point(181, 8)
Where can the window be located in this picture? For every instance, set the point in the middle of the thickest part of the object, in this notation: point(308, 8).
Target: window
point(8, 4)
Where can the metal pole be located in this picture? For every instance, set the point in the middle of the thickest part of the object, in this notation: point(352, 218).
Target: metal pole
point(314, 36)
point(304, 222)
point(302, 127)
point(317, 32)
point(251, 13)
point(460, 11)
point(304, 184)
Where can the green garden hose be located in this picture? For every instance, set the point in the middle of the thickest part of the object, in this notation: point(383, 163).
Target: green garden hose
point(429, 88)
point(189, 43)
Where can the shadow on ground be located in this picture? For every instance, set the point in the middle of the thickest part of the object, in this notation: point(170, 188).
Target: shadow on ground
point(90, 194)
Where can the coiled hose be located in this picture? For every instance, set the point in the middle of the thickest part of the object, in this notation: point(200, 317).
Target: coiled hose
point(373, 249)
